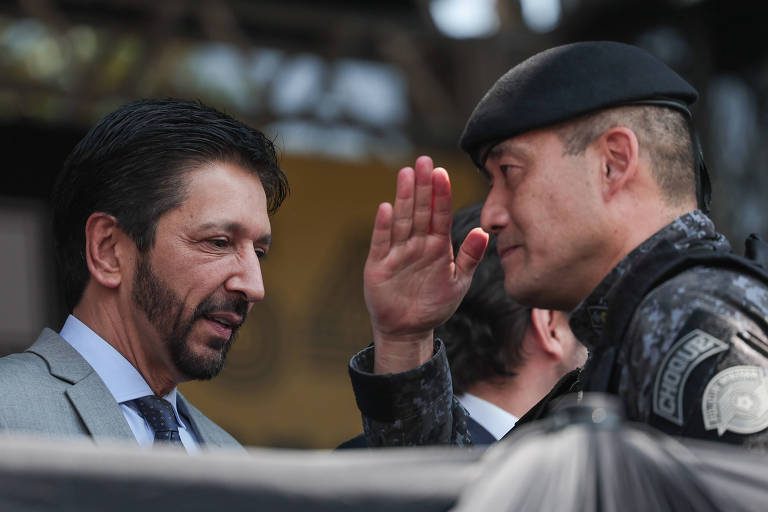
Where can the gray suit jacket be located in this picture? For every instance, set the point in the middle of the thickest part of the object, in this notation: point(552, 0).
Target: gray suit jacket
point(51, 390)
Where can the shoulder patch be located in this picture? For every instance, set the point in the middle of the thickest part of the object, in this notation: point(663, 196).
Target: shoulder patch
point(736, 399)
point(682, 358)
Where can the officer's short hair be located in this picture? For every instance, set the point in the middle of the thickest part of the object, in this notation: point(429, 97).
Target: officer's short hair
point(662, 133)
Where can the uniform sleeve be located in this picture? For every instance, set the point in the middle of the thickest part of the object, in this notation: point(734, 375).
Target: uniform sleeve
point(411, 408)
point(695, 360)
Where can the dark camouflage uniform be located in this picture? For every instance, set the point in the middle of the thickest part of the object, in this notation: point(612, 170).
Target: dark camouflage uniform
point(412, 408)
point(677, 361)
point(683, 337)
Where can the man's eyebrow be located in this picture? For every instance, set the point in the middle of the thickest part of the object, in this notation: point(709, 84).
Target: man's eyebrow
point(225, 226)
point(235, 227)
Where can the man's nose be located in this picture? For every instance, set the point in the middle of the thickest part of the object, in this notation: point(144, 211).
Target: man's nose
point(247, 279)
point(494, 216)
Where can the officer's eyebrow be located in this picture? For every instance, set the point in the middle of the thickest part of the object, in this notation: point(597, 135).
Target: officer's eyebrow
point(506, 148)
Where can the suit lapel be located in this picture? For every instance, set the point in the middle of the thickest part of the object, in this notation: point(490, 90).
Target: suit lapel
point(98, 409)
point(207, 432)
point(480, 436)
point(187, 416)
point(64, 362)
point(90, 397)
point(196, 422)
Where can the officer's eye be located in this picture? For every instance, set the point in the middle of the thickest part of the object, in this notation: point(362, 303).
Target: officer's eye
point(506, 169)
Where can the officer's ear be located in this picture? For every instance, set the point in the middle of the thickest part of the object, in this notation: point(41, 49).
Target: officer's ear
point(105, 249)
point(618, 149)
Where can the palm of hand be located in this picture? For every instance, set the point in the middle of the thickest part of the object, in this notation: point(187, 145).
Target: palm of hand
point(411, 281)
point(415, 288)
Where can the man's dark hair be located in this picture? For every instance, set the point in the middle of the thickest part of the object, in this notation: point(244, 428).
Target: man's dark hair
point(484, 337)
point(133, 164)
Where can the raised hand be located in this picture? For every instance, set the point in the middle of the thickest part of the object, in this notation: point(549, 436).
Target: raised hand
point(411, 281)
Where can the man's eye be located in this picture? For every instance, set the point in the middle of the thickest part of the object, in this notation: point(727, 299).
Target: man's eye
point(219, 243)
point(261, 253)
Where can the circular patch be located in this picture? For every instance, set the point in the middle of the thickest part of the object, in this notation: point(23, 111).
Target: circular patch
point(736, 399)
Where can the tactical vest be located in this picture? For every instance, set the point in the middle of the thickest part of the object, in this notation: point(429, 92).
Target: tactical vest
point(664, 262)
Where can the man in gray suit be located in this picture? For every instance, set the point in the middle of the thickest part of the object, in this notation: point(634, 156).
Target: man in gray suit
point(161, 217)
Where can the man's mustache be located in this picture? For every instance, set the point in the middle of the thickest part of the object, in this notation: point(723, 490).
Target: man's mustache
point(226, 304)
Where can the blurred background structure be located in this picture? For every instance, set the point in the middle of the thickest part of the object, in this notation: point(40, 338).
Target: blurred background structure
point(351, 92)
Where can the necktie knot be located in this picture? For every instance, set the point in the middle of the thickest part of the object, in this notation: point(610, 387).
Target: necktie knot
point(160, 415)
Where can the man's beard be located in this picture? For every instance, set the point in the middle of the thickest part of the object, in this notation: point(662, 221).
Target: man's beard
point(165, 311)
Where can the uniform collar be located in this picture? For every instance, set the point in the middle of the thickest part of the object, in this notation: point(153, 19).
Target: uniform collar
point(589, 318)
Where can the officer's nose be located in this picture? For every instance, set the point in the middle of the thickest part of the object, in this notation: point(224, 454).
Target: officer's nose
point(494, 216)
point(246, 279)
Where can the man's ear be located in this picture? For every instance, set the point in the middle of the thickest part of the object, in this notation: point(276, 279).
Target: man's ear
point(619, 150)
point(545, 329)
point(104, 252)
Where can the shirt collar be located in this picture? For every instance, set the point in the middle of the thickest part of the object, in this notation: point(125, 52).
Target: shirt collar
point(121, 378)
point(493, 418)
point(589, 318)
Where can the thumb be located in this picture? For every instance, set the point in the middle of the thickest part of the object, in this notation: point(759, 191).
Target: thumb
point(471, 252)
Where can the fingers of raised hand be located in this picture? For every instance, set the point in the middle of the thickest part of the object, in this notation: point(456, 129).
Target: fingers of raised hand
point(402, 217)
point(382, 232)
point(422, 203)
point(442, 209)
point(471, 252)
point(422, 207)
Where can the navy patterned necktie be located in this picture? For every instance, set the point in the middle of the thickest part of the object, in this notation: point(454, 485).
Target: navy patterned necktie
point(160, 415)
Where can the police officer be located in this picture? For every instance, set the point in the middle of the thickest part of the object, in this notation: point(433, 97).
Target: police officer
point(597, 182)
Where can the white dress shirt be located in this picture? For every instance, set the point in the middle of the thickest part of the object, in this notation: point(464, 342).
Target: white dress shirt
point(491, 417)
point(123, 381)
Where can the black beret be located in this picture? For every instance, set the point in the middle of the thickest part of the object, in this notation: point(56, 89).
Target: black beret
point(567, 81)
